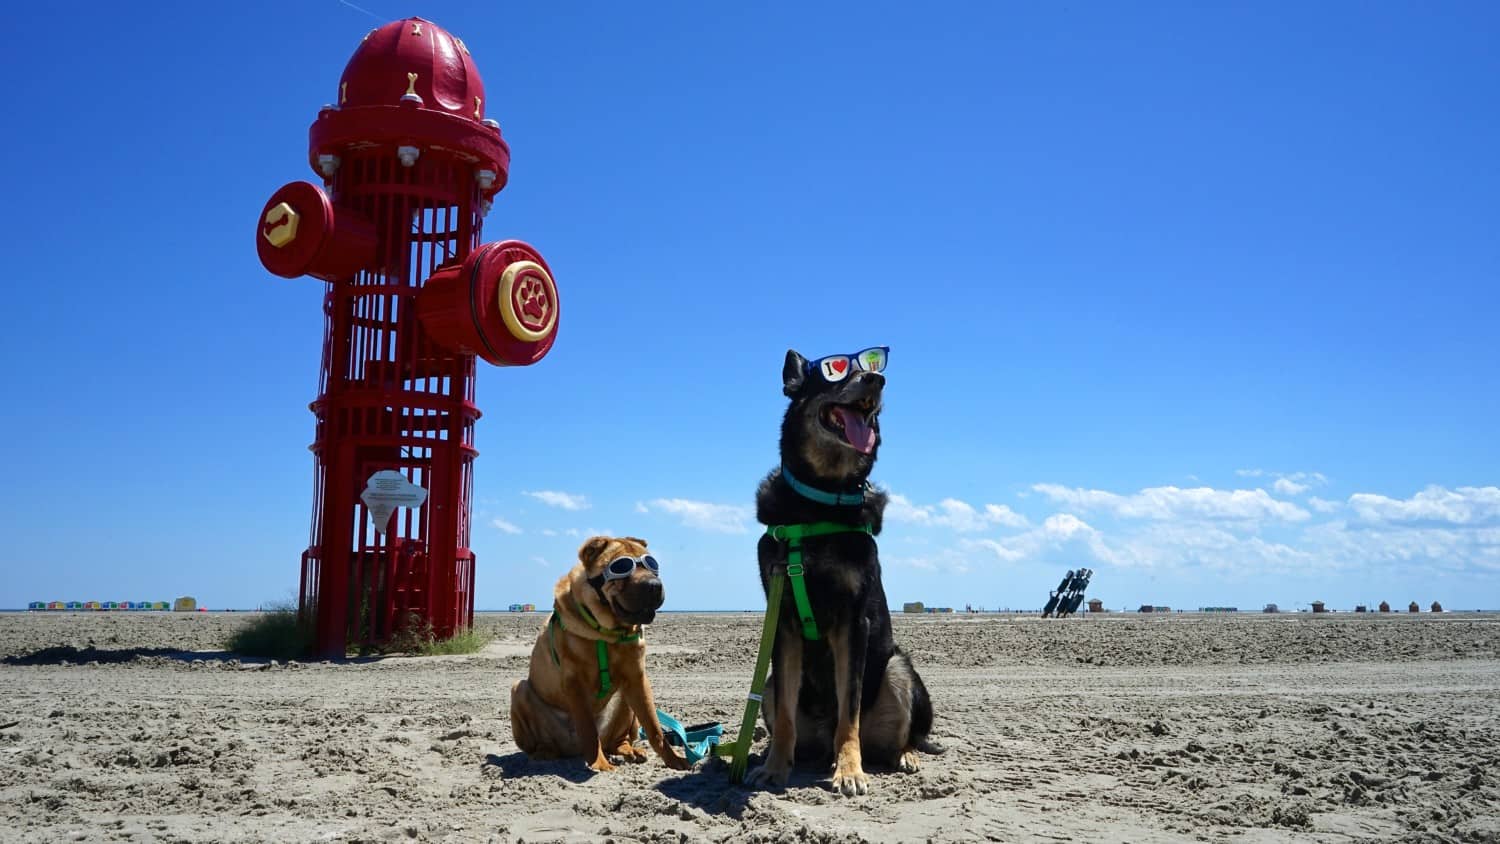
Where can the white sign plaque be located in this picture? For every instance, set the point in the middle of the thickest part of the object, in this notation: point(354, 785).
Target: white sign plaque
point(387, 490)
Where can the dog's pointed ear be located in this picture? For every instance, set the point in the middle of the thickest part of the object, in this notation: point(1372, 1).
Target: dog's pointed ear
point(592, 548)
point(635, 539)
point(793, 372)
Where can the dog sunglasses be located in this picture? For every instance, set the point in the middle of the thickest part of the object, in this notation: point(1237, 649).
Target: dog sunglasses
point(623, 566)
point(835, 368)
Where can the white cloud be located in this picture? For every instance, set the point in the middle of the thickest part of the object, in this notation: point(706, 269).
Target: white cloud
point(1173, 503)
point(1440, 547)
point(1004, 516)
point(1065, 539)
point(508, 527)
point(953, 514)
point(1323, 505)
point(1178, 545)
point(1466, 505)
point(561, 500)
point(1058, 532)
point(1287, 486)
point(1231, 533)
point(702, 515)
point(1295, 482)
point(948, 560)
point(581, 533)
point(898, 508)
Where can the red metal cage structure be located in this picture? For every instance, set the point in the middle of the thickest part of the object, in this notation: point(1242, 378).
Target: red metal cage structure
point(409, 167)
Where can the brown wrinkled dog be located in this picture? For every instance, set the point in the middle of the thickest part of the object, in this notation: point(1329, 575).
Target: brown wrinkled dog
point(567, 706)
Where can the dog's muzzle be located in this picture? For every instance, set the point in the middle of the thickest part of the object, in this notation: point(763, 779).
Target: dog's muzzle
point(639, 600)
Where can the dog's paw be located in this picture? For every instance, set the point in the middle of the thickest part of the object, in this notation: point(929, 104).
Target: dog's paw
point(908, 763)
point(769, 775)
point(674, 760)
point(850, 781)
point(601, 765)
point(630, 753)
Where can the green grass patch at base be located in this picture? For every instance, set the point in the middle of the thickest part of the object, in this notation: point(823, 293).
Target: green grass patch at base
point(277, 634)
point(417, 637)
point(465, 642)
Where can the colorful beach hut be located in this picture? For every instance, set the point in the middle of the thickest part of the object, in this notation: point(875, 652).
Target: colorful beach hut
point(161, 605)
point(57, 605)
point(185, 604)
point(36, 605)
point(75, 605)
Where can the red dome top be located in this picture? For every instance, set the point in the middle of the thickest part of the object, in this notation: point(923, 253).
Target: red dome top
point(411, 83)
point(413, 58)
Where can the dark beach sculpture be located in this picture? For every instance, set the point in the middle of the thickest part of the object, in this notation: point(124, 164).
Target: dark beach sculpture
point(1069, 594)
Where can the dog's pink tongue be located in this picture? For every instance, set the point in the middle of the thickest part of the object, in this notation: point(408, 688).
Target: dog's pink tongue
point(856, 430)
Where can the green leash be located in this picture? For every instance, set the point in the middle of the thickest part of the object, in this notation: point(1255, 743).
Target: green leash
point(793, 535)
point(741, 744)
point(600, 647)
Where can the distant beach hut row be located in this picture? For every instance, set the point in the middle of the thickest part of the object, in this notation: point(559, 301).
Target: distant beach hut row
point(919, 607)
point(157, 606)
point(523, 607)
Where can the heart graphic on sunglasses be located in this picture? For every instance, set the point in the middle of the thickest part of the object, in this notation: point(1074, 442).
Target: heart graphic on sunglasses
point(839, 365)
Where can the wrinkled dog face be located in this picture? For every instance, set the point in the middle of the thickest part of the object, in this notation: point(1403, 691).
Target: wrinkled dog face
point(834, 428)
point(632, 599)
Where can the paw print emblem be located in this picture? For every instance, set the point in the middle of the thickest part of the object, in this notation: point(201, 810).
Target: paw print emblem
point(532, 302)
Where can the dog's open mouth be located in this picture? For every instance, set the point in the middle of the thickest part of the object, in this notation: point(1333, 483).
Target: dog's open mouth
point(853, 423)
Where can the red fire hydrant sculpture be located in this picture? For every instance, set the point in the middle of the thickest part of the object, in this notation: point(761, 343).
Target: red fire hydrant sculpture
point(409, 167)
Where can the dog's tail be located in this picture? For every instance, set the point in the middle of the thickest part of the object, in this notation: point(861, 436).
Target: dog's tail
point(928, 745)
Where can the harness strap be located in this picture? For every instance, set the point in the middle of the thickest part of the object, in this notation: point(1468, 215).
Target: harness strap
point(793, 536)
point(601, 647)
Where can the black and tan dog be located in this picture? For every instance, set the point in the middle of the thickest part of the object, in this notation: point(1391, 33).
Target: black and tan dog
point(591, 648)
point(849, 694)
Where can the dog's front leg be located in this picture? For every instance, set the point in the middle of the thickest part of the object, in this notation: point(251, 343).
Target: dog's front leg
point(643, 703)
point(787, 657)
point(619, 731)
point(849, 644)
point(584, 725)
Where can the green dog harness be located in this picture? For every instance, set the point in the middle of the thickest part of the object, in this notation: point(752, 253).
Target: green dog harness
point(601, 646)
point(793, 535)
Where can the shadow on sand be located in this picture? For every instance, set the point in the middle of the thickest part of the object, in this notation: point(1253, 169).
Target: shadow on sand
point(518, 764)
point(70, 655)
point(707, 787)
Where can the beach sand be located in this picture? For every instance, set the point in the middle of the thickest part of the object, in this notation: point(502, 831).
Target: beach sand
point(1114, 727)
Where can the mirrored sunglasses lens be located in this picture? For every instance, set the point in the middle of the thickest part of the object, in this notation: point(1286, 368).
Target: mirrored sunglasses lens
point(872, 360)
point(622, 566)
point(651, 564)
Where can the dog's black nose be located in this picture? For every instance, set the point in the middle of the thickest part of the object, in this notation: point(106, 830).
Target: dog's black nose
point(872, 379)
point(652, 591)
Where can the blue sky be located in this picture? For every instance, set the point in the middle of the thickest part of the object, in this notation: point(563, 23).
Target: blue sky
point(1202, 296)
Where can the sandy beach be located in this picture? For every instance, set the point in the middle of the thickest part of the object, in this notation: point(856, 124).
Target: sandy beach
point(1114, 727)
